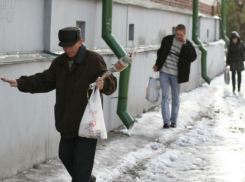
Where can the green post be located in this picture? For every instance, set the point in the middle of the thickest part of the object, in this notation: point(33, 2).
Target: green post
point(198, 42)
point(224, 37)
point(118, 50)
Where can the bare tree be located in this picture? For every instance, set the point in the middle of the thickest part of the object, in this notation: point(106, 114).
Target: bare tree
point(236, 17)
point(240, 24)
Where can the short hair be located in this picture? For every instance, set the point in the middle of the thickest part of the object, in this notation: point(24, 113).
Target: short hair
point(181, 27)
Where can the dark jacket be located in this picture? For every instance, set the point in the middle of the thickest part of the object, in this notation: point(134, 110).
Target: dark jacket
point(71, 87)
point(236, 53)
point(187, 55)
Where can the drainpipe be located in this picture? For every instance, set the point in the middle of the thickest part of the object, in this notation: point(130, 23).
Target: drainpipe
point(196, 39)
point(223, 26)
point(120, 53)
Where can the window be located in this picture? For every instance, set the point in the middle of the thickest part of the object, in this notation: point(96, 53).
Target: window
point(82, 26)
point(173, 30)
point(131, 31)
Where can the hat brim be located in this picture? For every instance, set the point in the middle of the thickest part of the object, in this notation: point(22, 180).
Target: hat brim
point(67, 44)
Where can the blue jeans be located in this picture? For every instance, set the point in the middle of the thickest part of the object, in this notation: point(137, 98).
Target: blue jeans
point(171, 81)
point(77, 155)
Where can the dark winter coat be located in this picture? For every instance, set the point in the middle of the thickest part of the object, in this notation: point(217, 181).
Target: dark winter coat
point(236, 53)
point(187, 55)
point(71, 87)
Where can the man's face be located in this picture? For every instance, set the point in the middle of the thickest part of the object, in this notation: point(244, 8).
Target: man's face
point(234, 40)
point(179, 34)
point(71, 51)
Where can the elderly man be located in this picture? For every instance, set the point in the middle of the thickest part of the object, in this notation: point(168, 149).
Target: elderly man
point(70, 74)
point(173, 61)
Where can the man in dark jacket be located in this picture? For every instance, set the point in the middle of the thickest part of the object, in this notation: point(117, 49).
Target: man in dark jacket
point(70, 74)
point(173, 61)
point(235, 58)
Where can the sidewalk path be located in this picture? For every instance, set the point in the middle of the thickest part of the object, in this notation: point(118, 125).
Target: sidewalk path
point(207, 146)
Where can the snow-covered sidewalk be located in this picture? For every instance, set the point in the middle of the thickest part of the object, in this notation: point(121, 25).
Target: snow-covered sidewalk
point(206, 146)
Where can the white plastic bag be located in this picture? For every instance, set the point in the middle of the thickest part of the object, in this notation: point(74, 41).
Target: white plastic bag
point(153, 89)
point(93, 124)
point(227, 75)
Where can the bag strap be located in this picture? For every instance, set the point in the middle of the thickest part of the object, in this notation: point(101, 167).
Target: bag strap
point(93, 91)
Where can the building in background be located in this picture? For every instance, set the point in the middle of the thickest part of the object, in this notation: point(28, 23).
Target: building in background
point(29, 36)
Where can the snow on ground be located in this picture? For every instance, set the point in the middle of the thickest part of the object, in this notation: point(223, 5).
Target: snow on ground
point(206, 146)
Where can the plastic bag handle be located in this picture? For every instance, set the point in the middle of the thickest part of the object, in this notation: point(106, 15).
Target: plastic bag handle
point(93, 92)
point(155, 74)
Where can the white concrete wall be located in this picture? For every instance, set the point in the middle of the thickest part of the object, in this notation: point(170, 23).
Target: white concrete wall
point(215, 65)
point(48, 16)
point(27, 129)
point(208, 29)
point(21, 25)
point(150, 26)
point(92, 17)
point(65, 13)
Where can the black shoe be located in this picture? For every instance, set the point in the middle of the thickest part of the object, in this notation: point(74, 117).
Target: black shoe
point(173, 125)
point(92, 179)
point(166, 125)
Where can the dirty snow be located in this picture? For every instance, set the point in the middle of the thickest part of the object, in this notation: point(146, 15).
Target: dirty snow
point(207, 146)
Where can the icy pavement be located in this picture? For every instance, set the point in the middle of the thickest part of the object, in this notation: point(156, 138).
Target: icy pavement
point(207, 146)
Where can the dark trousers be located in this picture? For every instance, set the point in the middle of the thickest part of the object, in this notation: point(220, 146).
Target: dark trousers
point(77, 155)
point(239, 77)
